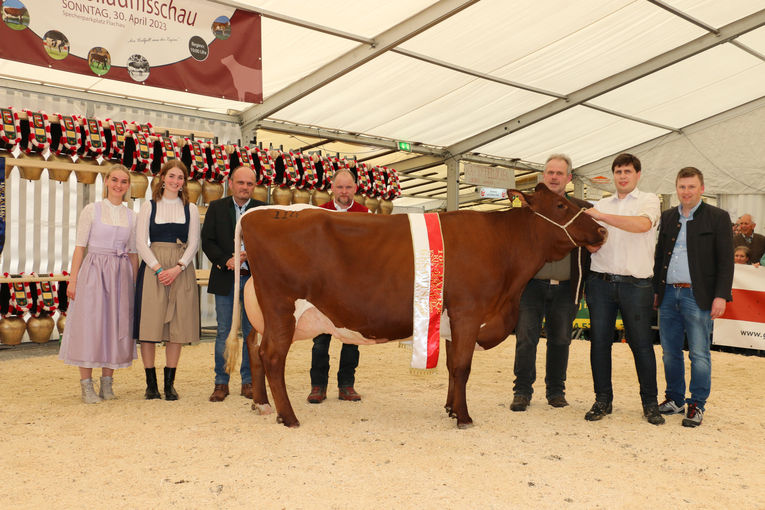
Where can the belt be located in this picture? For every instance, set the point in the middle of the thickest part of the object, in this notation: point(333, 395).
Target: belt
point(681, 285)
point(616, 277)
point(244, 272)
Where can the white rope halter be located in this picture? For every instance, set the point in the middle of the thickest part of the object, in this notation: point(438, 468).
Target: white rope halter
point(564, 227)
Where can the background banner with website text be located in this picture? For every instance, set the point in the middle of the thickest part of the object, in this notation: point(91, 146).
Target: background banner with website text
point(743, 324)
point(187, 45)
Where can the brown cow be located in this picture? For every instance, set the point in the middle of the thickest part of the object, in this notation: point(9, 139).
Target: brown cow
point(310, 255)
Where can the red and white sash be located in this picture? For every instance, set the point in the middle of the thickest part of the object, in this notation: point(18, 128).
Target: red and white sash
point(428, 246)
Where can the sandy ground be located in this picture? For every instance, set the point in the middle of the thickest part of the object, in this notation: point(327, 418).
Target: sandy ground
point(395, 449)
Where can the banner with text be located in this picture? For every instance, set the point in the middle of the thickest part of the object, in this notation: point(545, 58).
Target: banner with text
point(186, 45)
point(743, 323)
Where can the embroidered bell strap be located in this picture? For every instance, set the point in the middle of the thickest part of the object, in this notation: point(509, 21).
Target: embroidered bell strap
point(394, 185)
point(118, 129)
point(39, 132)
point(221, 165)
point(267, 170)
point(11, 132)
point(147, 129)
point(63, 300)
point(95, 141)
point(293, 163)
point(169, 149)
point(244, 156)
point(70, 140)
point(378, 181)
point(428, 246)
point(290, 169)
point(143, 154)
point(198, 158)
point(362, 179)
point(309, 177)
point(325, 166)
point(328, 174)
point(47, 297)
point(21, 296)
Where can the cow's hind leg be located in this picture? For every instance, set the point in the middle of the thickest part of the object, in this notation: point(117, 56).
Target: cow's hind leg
point(274, 346)
point(260, 402)
point(449, 406)
point(463, 344)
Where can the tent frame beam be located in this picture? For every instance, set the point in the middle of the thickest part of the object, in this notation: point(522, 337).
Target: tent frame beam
point(673, 56)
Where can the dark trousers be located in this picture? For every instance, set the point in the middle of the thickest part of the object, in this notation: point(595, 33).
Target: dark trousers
point(553, 304)
point(349, 360)
point(634, 299)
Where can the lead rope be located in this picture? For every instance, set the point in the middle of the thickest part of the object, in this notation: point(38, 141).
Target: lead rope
point(564, 227)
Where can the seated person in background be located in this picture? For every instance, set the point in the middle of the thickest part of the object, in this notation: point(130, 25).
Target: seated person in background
point(747, 237)
point(741, 255)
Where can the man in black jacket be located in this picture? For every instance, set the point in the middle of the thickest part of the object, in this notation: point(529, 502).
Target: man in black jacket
point(218, 245)
point(552, 295)
point(693, 277)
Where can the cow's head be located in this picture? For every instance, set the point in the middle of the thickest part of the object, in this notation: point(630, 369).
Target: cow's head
point(563, 223)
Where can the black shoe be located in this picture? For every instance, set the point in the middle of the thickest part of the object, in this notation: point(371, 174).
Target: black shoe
point(557, 401)
point(598, 411)
point(520, 403)
point(152, 391)
point(170, 393)
point(652, 414)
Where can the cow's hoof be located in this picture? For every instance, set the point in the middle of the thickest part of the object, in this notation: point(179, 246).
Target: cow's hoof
point(465, 425)
point(262, 409)
point(448, 409)
point(292, 425)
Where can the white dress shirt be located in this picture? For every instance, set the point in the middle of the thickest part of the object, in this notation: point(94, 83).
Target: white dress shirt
point(627, 253)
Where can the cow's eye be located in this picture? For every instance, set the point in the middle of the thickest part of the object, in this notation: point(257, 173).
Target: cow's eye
point(561, 206)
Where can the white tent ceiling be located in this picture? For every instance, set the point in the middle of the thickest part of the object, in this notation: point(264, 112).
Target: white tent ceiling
point(488, 81)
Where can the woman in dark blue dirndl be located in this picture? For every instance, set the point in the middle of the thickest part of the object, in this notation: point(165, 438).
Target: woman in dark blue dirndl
point(167, 302)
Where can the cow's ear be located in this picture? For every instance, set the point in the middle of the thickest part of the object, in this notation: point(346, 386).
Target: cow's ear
point(524, 198)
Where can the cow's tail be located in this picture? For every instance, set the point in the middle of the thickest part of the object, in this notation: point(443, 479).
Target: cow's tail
point(233, 345)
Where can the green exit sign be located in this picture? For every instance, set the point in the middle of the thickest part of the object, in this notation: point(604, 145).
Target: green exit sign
point(404, 146)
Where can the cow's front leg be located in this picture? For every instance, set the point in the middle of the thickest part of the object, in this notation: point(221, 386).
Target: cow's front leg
point(463, 344)
point(260, 402)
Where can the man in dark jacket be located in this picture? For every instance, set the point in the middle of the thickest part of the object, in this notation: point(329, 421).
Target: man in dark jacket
point(218, 245)
point(693, 277)
point(552, 295)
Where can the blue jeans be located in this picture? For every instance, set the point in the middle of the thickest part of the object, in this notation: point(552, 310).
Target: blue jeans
point(349, 360)
point(634, 299)
point(224, 307)
point(679, 314)
point(553, 303)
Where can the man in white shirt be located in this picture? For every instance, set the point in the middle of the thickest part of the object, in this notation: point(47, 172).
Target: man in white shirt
point(620, 281)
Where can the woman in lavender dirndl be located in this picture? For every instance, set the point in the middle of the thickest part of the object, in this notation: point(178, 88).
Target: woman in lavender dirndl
point(99, 327)
point(166, 298)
